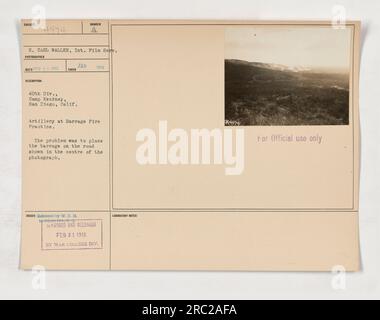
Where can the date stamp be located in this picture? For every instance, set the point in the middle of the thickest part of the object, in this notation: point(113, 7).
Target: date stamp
point(73, 234)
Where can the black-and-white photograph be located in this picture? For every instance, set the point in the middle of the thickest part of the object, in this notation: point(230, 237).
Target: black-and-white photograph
point(287, 75)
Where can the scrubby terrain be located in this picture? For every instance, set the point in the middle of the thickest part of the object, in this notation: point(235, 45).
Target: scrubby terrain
point(265, 94)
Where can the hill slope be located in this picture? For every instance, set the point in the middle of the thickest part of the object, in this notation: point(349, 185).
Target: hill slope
point(265, 94)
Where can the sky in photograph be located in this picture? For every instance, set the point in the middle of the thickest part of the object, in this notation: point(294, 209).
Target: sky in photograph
point(292, 46)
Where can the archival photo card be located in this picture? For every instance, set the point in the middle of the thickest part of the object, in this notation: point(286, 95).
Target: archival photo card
point(190, 145)
point(278, 75)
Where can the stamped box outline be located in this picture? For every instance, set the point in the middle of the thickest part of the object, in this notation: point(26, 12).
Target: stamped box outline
point(78, 249)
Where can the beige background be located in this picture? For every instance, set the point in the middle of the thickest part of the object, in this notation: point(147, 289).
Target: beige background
point(200, 241)
point(176, 73)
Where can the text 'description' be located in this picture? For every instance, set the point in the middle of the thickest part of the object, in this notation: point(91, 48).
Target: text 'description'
point(72, 234)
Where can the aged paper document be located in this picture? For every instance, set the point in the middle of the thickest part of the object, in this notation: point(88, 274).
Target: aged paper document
point(190, 145)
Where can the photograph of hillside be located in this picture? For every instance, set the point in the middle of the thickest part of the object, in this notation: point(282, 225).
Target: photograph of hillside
point(276, 76)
